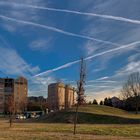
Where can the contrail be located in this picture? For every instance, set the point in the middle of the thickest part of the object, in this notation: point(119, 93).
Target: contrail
point(87, 58)
point(110, 17)
point(112, 50)
point(58, 68)
point(57, 30)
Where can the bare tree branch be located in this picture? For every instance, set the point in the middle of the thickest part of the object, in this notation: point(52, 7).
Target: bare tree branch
point(131, 89)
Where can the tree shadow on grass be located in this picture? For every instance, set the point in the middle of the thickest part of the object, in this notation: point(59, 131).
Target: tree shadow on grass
point(88, 118)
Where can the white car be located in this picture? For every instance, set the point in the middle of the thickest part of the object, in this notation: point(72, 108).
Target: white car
point(20, 117)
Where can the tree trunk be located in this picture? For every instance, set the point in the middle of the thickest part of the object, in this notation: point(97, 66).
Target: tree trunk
point(10, 120)
point(137, 108)
point(75, 119)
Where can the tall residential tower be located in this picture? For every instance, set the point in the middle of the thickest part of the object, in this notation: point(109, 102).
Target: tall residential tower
point(15, 90)
point(60, 96)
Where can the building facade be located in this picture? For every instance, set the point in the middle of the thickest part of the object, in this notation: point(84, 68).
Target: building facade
point(8, 95)
point(1, 95)
point(69, 96)
point(60, 96)
point(20, 94)
point(13, 94)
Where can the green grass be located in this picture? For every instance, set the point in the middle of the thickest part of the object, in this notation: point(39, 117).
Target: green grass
point(94, 114)
point(106, 110)
point(52, 131)
point(94, 123)
point(114, 130)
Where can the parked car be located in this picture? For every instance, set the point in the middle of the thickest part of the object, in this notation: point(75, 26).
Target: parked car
point(37, 116)
point(20, 116)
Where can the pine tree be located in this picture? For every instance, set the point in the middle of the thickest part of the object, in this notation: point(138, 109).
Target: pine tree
point(95, 102)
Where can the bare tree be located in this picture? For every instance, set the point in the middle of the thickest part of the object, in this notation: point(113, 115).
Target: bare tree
point(10, 107)
point(22, 105)
point(131, 89)
point(80, 92)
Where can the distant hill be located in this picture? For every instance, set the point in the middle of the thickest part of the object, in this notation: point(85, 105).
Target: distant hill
point(94, 114)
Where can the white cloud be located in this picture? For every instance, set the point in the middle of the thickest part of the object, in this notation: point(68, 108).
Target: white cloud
point(101, 95)
point(111, 86)
point(110, 17)
point(134, 57)
point(90, 47)
point(96, 86)
point(101, 81)
point(12, 63)
point(104, 87)
point(118, 32)
point(103, 78)
point(39, 85)
point(54, 29)
point(20, 13)
point(129, 68)
point(58, 68)
point(40, 44)
point(112, 51)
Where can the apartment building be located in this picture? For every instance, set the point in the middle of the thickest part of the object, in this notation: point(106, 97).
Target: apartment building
point(20, 94)
point(13, 91)
point(1, 95)
point(69, 96)
point(60, 96)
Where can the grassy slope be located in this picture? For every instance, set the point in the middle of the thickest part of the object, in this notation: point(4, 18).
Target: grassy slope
point(95, 114)
point(106, 110)
point(108, 127)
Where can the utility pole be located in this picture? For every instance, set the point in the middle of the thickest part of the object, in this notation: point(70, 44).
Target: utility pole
point(80, 91)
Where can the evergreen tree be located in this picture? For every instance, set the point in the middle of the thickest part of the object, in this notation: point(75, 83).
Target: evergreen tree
point(101, 102)
point(95, 102)
point(105, 101)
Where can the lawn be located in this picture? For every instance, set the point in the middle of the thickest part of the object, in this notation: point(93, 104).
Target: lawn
point(94, 123)
point(95, 114)
point(49, 131)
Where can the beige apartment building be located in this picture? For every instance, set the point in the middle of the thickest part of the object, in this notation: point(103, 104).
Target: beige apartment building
point(13, 91)
point(20, 94)
point(60, 96)
point(69, 96)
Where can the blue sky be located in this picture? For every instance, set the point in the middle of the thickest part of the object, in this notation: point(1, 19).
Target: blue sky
point(44, 39)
